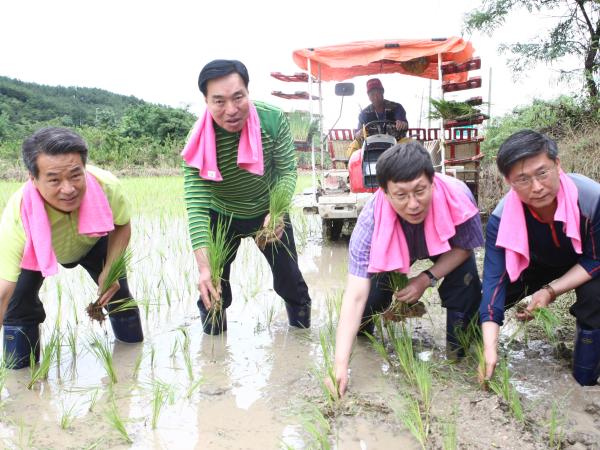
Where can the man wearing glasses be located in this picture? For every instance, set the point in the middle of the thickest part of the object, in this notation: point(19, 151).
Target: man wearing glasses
point(543, 239)
point(415, 214)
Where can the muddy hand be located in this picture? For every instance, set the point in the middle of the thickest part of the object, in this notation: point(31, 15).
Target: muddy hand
point(540, 299)
point(278, 229)
point(337, 389)
point(486, 372)
point(103, 299)
point(206, 288)
point(413, 291)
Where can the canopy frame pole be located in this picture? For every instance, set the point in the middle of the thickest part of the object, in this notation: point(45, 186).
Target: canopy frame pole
point(442, 138)
point(322, 140)
point(312, 142)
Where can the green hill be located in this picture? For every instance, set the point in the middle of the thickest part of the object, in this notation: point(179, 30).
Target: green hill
point(122, 132)
point(74, 106)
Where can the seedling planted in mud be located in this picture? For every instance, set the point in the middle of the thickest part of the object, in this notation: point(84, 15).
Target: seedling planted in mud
point(279, 205)
point(67, 416)
point(556, 435)
point(161, 393)
point(379, 344)
point(115, 420)
point(193, 387)
point(317, 427)
point(502, 386)
point(450, 441)
point(101, 348)
point(327, 342)
point(402, 343)
point(116, 271)
point(413, 420)
point(40, 371)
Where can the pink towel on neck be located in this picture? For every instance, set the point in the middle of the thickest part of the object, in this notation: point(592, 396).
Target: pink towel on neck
point(95, 220)
point(450, 206)
point(512, 231)
point(200, 151)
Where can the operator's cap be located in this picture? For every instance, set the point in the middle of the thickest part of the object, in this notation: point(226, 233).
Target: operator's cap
point(374, 83)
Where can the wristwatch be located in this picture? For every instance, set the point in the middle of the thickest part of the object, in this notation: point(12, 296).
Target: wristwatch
point(432, 278)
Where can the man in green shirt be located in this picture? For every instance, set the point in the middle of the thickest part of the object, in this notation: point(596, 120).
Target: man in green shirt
point(66, 214)
point(218, 185)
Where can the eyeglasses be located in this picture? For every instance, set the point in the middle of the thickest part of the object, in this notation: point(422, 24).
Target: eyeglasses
point(420, 194)
point(526, 181)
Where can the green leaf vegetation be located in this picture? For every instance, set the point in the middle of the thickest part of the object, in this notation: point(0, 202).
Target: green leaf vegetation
point(573, 30)
point(121, 131)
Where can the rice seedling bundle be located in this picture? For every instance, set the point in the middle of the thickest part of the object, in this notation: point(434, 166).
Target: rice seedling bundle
point(399, 311)
point(116, 271)
point(218, 252)
point(279, 205)
point(548, 321)
point(451, 110)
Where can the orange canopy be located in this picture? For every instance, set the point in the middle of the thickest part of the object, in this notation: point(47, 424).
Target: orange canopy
point(417, 57)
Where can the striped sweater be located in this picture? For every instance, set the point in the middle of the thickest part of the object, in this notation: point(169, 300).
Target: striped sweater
point(241, 194)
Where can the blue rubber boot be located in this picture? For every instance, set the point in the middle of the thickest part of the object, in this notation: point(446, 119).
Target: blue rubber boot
point(18, 343)
point(127, 327)
point(456, 323)
point(298, 316)
point(586, 356)
point(213, 323)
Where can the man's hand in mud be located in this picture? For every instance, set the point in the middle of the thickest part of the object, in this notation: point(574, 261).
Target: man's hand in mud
point(539, 299)
point(206, 288)
point(278, 229)
point(413, 290)
point(486, 372)
point(338, 390)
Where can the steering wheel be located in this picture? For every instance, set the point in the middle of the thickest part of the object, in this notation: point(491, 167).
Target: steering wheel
point(384, 127)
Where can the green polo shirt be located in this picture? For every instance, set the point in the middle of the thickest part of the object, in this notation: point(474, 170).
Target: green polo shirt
point(69, 246)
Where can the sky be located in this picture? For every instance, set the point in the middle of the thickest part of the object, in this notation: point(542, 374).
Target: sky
point(154, 50)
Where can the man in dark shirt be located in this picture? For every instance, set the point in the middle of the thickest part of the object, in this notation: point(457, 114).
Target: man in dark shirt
point(381, 109)
point(543, 239)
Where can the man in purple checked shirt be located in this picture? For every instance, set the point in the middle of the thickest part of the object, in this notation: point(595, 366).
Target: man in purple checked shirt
point(420, 206)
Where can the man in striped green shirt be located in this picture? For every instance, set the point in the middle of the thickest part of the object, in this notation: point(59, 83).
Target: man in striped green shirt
point(243, 196)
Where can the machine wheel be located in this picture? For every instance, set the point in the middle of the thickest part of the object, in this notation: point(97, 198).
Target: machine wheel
point(332, 229)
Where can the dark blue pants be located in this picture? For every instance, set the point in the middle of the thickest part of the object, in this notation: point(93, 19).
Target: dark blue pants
point(25, 306)
point(460, 291)
point(586, 308)
point(281, 256)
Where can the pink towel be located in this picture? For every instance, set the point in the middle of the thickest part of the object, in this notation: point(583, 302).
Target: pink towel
point(512, 231)
point(450, 206)
point(200, 151)
point(95, 220)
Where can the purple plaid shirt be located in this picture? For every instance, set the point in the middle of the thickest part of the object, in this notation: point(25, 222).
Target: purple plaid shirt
point(469, 235)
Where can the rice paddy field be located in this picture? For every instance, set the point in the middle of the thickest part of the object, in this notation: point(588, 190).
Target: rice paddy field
point(260, 386)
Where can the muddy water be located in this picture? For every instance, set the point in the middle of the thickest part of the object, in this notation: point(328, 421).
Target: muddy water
point(257, 387)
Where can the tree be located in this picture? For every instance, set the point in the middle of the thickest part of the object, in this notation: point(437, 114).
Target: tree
point(576, 32)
